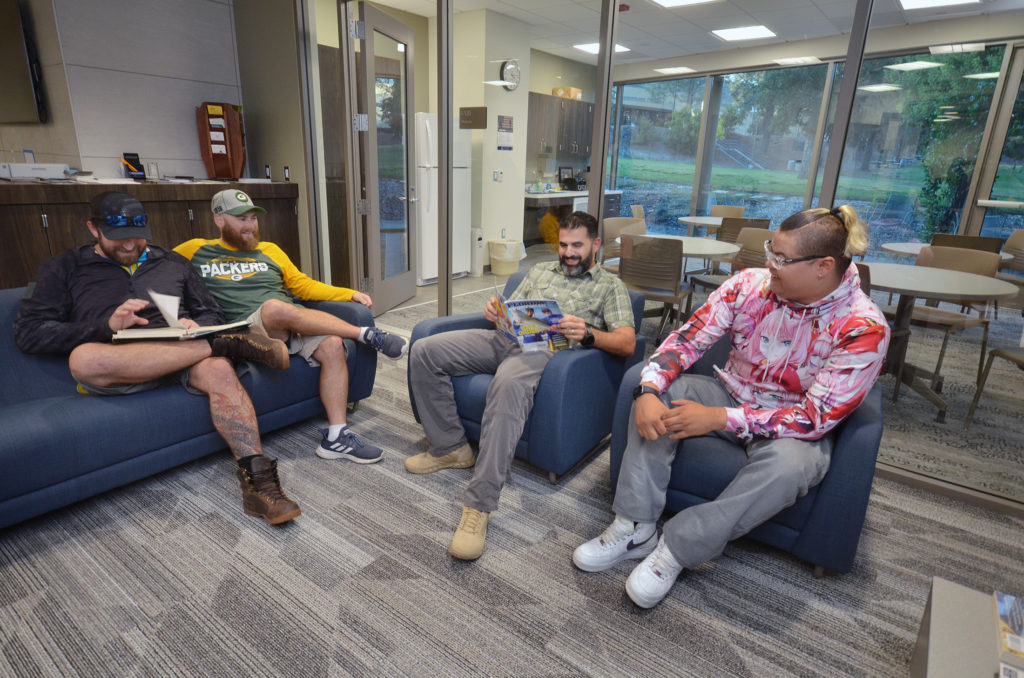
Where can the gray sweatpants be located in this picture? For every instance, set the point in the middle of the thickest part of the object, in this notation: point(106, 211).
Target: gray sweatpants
point(778, 471)
point(434, 360)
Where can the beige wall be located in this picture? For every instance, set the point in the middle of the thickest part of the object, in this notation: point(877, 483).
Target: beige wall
point(268, 60)
point(483, 40)
point(548, 71)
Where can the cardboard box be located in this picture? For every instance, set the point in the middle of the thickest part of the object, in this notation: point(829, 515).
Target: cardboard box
point(568, 92)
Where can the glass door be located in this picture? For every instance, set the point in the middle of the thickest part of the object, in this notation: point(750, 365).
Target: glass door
point(384, 115)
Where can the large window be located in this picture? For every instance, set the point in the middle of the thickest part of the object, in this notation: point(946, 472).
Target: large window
point(764, 141)
point(659, 124)
point(1009, 181)
point(913, 141)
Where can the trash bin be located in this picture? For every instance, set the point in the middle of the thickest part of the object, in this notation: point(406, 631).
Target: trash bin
point(505, 256)
point(476, 254)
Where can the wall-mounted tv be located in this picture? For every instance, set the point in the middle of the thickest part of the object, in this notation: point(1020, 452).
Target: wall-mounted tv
point(20, 75)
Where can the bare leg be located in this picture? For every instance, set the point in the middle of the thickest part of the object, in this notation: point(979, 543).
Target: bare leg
point(281, 319)
point(230, 407)
point(333, 379)
point(134, 363)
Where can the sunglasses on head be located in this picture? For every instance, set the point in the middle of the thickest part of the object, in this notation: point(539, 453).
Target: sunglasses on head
point(121, 220)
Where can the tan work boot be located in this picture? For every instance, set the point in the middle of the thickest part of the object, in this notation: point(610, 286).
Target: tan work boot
point(425, 462)
point(262, 495)
point(470, 536)
point(253, 344)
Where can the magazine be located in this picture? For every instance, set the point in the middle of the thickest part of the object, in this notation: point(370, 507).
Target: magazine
point(168, 307)
point(531, 323)
point(1010, 619)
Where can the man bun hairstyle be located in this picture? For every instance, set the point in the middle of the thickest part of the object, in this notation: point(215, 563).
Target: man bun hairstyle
point(580, 220)
point(838, 233)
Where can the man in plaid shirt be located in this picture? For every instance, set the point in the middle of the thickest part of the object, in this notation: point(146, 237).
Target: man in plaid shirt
point(597, 315)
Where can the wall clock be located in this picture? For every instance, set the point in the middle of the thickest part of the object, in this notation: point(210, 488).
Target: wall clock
point(510, 74)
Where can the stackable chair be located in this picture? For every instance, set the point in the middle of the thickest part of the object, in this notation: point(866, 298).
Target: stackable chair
point(654, 267)
point(751, 255)
point(578, 386)
point(954, 259)
point(614, 227)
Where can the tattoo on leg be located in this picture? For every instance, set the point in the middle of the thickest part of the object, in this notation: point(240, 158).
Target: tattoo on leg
point(234, 418)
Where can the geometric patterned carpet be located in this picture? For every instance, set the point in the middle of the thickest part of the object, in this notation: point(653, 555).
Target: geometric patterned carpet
point(168, 577)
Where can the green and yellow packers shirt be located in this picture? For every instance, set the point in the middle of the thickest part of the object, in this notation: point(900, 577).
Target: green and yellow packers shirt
point(242, 280)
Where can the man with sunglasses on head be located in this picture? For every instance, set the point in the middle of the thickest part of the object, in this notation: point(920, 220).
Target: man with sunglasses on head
point(806, 347)
point(79, 299)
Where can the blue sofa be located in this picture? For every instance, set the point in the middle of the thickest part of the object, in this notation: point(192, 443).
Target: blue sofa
point(822, 527)
point(573, 406)
point(58, 446)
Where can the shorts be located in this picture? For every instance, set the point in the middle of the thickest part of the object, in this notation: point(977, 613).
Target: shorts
point(297, 343)
point(179, 377)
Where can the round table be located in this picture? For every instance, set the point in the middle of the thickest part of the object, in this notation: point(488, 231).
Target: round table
point(942, 284)
point(911, 249)
point(699, 247)
point(711, 223)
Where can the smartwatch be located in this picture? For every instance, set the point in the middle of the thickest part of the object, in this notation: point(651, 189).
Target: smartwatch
point(588, 339)
point(644, 388)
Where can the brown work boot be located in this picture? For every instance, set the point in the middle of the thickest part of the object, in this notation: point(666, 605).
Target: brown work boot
point(470, 536)
point(262, 495)
point(425, 462)
point(253, 344)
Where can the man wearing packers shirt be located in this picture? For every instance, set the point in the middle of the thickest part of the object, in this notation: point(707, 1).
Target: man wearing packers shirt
point(256, 280)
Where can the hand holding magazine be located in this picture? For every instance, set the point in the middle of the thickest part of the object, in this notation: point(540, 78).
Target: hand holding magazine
point(531, 323)
point(168, 307)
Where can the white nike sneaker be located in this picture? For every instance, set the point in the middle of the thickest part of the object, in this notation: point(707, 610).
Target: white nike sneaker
point(616, 543)
point(652, 579)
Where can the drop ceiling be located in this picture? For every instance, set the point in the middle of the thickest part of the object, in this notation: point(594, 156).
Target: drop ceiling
point(653, 32)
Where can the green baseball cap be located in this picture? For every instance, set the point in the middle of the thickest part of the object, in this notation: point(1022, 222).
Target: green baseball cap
point(234, 202)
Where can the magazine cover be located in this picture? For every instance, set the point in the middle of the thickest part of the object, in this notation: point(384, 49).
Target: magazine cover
point(531, 323)
point(1010, 611)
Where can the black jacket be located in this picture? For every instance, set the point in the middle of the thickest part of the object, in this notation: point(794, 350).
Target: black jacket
point(74, 294)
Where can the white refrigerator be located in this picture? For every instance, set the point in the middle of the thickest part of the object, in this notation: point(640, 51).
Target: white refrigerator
point(426, 205)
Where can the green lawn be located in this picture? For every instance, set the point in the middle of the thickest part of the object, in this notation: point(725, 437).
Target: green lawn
point(772, 182)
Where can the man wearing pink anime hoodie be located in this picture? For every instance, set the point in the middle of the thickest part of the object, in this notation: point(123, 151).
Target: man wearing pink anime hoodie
point(807, 345)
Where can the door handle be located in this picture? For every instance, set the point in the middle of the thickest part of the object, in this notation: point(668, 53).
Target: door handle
point(404, 199)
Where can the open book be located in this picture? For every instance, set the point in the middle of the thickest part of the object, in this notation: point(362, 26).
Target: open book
point(531, 323)
point(168, 307)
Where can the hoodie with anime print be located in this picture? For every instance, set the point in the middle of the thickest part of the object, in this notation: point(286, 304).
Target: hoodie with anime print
point(797, 370)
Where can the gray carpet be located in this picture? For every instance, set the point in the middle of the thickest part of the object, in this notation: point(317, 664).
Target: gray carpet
point(989, 457)
point(169, 577)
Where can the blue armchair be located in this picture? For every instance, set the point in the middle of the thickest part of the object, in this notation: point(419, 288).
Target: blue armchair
point(824, 526)
point(572, 409)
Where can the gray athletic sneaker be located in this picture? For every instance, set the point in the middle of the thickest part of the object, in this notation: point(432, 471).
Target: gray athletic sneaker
point(348, 446)
point(391, 345)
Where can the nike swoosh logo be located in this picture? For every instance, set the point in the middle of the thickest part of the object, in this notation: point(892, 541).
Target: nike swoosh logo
point(632, 545)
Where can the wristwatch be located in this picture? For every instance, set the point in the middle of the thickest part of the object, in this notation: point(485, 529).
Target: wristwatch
point(588, 339)
point(644, 388)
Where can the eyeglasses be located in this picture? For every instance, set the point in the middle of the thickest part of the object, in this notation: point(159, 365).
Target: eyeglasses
point(121, 220)
point(777, 261)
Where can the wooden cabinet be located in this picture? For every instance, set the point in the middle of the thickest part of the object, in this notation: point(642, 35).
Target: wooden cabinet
point(558, 126)
point(40, 220)
point(543, 132)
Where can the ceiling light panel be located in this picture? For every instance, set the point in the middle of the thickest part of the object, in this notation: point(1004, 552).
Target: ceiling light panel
point(675, 70)
point(928, 4)
point(914, 66)
point(883, 87)
point(743, 33)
